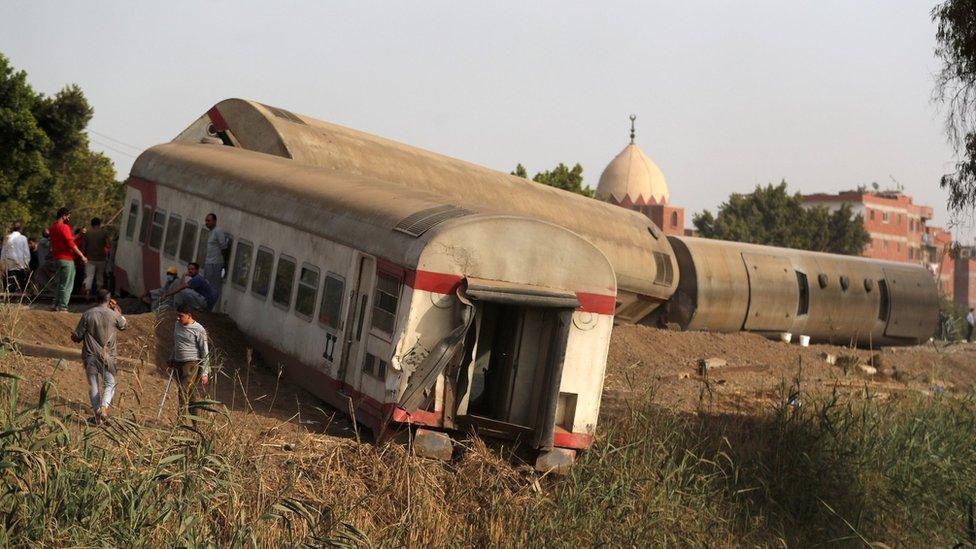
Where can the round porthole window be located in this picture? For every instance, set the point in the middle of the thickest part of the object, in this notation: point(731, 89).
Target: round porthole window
point(845, 283)
point(822, 280)
point(868, 285)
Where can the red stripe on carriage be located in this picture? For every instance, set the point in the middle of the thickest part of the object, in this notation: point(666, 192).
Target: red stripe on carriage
point(443, 283)
point(217, 120)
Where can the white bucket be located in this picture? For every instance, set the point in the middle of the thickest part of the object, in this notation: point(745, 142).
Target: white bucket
point(785, 337)
point(804, 341)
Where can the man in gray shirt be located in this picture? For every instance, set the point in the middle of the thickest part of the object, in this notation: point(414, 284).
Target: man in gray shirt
point(218, 250)
point(96, 331)
point(190, 357)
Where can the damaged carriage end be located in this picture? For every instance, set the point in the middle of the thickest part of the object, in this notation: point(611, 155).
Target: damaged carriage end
point(506, 358)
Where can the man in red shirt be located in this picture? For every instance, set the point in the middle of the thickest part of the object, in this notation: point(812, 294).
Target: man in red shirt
point(63, 250)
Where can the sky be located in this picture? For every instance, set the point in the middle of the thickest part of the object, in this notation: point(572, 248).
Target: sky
point(826, 95)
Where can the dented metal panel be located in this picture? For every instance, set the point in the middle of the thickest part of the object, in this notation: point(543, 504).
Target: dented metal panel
point(912, 309)
point(773, 292)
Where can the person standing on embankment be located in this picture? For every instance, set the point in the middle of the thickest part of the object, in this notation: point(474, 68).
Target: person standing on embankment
point(190, 357)
point(63, 249)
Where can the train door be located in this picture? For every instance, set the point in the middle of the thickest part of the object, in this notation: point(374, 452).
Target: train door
point(773, 293)
point(357, 321)
point(906, 303)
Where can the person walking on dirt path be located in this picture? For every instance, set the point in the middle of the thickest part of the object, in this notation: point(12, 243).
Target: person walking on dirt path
point(15, 260)
point(96, 331)
point(218, 252)
point(95, 242)
point(190, 358)
point(63, 250)
point(970, 323)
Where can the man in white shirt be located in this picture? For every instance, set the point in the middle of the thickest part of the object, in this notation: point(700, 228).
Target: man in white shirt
point(218, 250)
point(970, 322)
point(14, 260)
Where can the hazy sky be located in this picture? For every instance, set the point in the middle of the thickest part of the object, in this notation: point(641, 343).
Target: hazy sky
point(825, 94)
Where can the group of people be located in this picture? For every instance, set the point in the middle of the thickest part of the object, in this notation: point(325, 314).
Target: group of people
point(57, 257)
point(197, 289)
point(97, 332)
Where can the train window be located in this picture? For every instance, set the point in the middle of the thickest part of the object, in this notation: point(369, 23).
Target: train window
point(822, 280)
point(284, 281)
point(172, 235)
point(144, 227)
point(156, 231)
point(188, 241)
point(883, 304)
point(202, 246)
point(130, 226)
point(803, 299)
point(331, 307)
point(308, 286)
point(385, 302)
point(664, 268)
point(374, 366)
point(263, 263)
point(845, 283)
point(868, 285)
point(242, 264)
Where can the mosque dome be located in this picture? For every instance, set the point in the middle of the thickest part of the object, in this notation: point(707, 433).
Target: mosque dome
point(632, 178)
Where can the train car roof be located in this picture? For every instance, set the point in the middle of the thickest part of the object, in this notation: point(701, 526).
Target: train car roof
point(389, 221)
point(625, 237)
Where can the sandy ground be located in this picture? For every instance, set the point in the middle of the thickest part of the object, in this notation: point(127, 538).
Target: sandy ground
point(643, 363)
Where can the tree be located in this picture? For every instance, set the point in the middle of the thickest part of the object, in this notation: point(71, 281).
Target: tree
point(45, 161)
point(956, 88)
point(561, 177)
point(771, 216)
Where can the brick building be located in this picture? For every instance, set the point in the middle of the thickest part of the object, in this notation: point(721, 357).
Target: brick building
point(895, 223)
point(937, 250)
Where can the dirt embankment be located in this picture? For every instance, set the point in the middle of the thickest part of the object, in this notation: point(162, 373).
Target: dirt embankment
point(643, 362)
point(758, 371)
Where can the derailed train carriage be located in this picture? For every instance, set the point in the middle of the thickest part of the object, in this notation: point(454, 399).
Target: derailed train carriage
point(373, 299)
point(724, 286)
point(420, 288)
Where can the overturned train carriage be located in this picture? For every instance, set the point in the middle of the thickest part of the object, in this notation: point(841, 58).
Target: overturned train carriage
point(373, 298)
point(730, 286)
point(724, 286)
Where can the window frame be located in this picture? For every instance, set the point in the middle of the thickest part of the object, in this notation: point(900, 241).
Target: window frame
point(145, 226)
point(256, 294)
point(274, 286)
point(167, 234)
point(250, 265)
point(130, 228)
point(162, 235)
point(201, 255)
point(342, 300)
point(373, 329)
point(179, 251)
point(315, 290)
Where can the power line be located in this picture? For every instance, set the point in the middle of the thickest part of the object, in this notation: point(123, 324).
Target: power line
point(110, 138)
point(107, 146)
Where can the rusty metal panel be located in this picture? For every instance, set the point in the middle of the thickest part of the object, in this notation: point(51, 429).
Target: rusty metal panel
point(912, 309)
point(773, 292)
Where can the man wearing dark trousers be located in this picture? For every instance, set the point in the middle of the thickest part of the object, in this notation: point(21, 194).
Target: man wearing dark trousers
point(190, 358)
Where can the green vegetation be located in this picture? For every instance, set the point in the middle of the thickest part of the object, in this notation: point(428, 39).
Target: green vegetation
point(956, 89)
point(561, 177)
point(839, 471)
point(772, 216)
point(45, 162)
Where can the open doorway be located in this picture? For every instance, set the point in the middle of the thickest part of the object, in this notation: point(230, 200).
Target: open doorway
point(514, 358)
